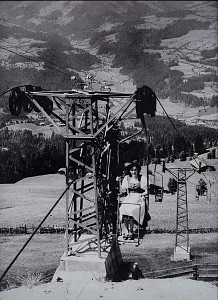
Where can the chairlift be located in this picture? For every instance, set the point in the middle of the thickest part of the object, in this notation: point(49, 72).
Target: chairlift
point(119, 226)
point(159, 195)
point(157, 187)
point(199, 191)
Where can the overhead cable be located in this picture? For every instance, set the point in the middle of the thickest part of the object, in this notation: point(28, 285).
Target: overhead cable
point(170, 119)
point(177, 131)
point(37, 56)
point(31, 59)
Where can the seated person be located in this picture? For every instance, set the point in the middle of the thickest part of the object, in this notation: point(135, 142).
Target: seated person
point(136, 186)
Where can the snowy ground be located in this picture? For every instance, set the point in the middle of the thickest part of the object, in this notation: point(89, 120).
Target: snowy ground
point(88, 286)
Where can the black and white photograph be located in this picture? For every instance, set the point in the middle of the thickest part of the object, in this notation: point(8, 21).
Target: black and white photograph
point(108, 150)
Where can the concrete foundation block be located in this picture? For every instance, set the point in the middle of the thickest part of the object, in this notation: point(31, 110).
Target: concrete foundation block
point(181, 254)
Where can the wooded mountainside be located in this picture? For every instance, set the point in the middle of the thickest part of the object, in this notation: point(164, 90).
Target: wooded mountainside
point(129, 49)
point(23, 154)
point(164, 140)
point(170, 46)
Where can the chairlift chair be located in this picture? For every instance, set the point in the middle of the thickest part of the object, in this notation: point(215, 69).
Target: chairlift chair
point(119, 227)
point(159, 195)
point(203, 192)
point(157, 186)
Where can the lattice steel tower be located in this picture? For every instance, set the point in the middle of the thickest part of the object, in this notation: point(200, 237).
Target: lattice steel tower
point(88, 159)
point(182, 248)
point(85, 119)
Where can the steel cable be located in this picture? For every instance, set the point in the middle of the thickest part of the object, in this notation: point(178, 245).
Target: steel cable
point(178, 132)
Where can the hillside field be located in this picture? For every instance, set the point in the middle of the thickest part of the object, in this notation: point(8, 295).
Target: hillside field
point(29, 200)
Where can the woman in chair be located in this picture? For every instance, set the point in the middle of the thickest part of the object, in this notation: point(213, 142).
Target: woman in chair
point(133, 206)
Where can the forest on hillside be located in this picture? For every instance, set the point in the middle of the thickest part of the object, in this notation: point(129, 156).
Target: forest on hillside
point(23, 154)
point(166, 130)
point(167, 139)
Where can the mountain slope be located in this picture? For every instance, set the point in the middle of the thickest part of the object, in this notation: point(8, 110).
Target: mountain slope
point(170, 46)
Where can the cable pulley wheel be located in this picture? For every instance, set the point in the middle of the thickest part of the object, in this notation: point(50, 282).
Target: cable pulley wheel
point(30, 88)
point(15, 101)
point(146, 101)
point(43, 101)
point(27, 104)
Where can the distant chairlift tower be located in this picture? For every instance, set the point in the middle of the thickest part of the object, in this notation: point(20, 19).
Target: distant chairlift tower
point(182, 249)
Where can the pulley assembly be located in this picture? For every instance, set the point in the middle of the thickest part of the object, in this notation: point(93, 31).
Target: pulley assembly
point(27, 104)
point(15, 101)
point(24, 97)
point(145, 101)
point(19, 99)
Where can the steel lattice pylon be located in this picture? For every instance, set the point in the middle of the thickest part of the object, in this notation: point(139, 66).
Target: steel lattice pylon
point(87, 151)
point(90, 150)
point(89, 125)
point(182, 248)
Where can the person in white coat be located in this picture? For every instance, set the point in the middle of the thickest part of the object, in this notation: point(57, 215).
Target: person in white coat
point(133, 207)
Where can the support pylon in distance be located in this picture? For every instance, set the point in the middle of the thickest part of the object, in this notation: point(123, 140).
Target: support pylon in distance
point(89, 128)
point(182, 246)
